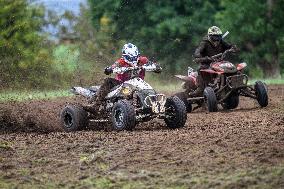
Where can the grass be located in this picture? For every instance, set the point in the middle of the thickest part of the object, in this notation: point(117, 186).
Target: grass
point(269, 177)
point(258, 177)
point(171, 86)
point(268, 81)
point(32, 95)
point(40, 161)
point(5, 145)
point(166, 88)
point(21, 96)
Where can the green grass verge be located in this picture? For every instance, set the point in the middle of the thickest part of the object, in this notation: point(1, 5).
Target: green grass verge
point(166, 88)
point(32, 95)
point(160, 86)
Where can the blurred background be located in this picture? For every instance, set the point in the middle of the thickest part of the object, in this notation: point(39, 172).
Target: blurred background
point(55, 44)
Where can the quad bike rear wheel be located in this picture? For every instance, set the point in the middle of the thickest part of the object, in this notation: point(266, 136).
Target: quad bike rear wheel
point(231, 102)
point(123, 116)
point(175, 113)
point(183, 97)
point(210, 99)
point(73, 118)
point(261, 93)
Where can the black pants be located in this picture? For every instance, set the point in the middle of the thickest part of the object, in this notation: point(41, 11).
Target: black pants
point(203, 79)
point(105, 88)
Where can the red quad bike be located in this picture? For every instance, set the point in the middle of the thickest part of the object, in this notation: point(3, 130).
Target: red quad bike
point(226, 82)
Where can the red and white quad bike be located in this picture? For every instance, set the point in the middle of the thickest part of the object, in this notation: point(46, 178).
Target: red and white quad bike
point(226, 83)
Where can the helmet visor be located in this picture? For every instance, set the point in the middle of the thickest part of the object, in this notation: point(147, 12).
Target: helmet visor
point(130, 59)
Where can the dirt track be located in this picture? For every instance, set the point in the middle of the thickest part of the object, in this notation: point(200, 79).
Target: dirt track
point(233, 149)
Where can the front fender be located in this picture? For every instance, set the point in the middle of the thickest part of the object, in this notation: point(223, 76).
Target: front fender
point(189, 82)
point(241, 66)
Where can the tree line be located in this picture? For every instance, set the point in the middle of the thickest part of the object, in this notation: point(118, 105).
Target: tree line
point(167, 31)
point(171, 30)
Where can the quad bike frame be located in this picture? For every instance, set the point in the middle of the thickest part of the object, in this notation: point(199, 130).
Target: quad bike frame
point(127, 104)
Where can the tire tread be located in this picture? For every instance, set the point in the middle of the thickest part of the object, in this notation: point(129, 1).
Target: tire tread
point(181, 115)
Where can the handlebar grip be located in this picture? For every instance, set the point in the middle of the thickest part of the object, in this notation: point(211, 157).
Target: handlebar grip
point(108, 70)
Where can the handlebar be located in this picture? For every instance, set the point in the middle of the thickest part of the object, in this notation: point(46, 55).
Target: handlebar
point(222, 55)
point(122, 69)
point(149, 68)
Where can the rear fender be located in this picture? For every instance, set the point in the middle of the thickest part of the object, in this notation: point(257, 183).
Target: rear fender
point(189, 81)
point(83, 92)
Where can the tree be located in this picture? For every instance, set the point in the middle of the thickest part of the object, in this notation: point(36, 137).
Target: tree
point(21, 54)
point(257, 27)
point(166, 30)
point(94, 44)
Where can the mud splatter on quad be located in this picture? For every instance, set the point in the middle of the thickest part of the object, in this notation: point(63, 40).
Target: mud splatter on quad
point(126, 105)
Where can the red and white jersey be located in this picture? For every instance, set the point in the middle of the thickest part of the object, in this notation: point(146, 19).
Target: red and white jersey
point(126, 76)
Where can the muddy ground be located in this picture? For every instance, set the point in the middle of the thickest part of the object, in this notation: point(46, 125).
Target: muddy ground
point(243, 148)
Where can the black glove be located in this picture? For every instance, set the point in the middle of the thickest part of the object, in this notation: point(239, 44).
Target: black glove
point(234, 49)
point(108, 70)
point(209, 59)
point(158, 69)
point(201, 60)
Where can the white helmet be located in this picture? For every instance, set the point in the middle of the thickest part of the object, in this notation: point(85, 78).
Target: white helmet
point(130, 53)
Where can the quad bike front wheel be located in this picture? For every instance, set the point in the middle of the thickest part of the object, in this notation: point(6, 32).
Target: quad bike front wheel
point(261, 93)
point(123, 116)
point(183, 97)
point(175, 115)
point(73, 118)
point(231, 102)
point(210, 99)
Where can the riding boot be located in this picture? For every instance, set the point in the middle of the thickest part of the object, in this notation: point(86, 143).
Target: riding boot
point(96, 102)
point(200, 87)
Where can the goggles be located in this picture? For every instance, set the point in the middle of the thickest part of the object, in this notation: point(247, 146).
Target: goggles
point(130, 58)
point(215, 37)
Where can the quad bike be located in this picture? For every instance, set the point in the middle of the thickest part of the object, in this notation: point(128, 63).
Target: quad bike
point(226, 83)
point(126, 105)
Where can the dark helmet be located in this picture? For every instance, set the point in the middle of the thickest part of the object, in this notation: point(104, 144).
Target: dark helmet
point(215, 33)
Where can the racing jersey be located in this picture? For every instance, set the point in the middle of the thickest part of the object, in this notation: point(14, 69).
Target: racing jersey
point(126, 76)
